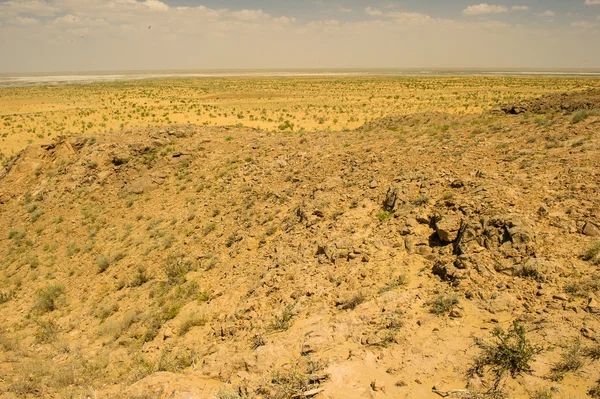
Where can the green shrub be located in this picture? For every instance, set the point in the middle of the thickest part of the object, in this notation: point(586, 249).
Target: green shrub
point(384, 216)
point(507, 353)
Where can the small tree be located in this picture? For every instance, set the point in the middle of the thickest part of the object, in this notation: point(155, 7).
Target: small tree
point(507, 353)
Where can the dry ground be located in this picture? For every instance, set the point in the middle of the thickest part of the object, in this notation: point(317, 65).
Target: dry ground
point(31, 114)
point(195, 261)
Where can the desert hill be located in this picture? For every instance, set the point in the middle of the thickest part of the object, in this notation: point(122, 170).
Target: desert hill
point(195, 261)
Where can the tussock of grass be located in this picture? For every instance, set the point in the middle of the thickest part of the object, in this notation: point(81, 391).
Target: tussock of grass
point(443, 303)
point(47, 299)
point(190, 322)
point(352, 301)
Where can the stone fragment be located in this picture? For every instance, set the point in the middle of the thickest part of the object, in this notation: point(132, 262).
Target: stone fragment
point(447, 228)
point(312, 392)
point(391, 198)
point(591, 230)
point(560, 297)
point(378, 386)
point(593, 306)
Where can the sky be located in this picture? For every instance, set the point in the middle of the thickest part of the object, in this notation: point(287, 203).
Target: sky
point(104, 35)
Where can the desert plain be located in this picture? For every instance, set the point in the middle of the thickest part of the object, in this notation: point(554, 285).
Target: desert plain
point(325, 237)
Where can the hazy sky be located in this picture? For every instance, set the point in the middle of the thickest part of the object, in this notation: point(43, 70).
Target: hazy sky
point(83, 35)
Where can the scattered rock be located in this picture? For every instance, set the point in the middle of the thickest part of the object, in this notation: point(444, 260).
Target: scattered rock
point(591, 230)
point(312, 392)
point(593, 306)
point(447, 228)
point(378, 386)
point(391, 198)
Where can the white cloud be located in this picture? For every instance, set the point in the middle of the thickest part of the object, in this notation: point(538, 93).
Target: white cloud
point(25, 21)
point(373, 11)
point(583, 24)
point(484, 8)
point(156, 5)
point(592, 2)
point(249, 15)
point(409, 17)
point(548, 13)
point(520, 8)
point(55, 35)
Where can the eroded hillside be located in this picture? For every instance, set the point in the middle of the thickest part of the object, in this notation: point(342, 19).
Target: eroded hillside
point(202, 261)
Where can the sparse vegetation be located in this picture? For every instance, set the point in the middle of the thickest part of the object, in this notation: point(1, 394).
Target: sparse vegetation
point(580, 116)
point(443, 303)
point(591, 254)
point(176, 269)
point(352, 301)
point(382, 216)
point(283, 321)
point(258, 258)
point(507, 353)
point(572, 359)
point(191, 321)
point(48, 298)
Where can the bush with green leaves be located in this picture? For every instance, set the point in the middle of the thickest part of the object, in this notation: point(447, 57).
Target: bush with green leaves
point(507, 353)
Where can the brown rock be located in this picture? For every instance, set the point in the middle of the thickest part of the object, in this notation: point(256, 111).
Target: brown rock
point(591, 230)
point(312, 392)
point(378, 385)
point(593, 306)
point(588, 333)
point(560, 297)
point(447, 228)
point(390, 199)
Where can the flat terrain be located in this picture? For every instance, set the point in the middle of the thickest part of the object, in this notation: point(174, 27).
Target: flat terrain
point(31, 114)
point(187, 260)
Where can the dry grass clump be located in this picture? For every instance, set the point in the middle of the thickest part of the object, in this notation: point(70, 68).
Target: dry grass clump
point(352, 301)
point(592, 253)
point(190, 322)
point(48, 298)
point(443, 303)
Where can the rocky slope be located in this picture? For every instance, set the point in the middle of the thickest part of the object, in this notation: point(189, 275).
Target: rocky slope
point(190, 261)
